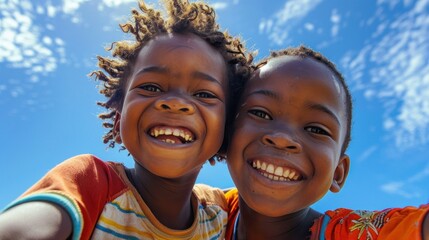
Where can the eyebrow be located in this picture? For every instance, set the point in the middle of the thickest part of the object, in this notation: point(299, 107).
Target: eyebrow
point(205, 76)
point(267, 93)
point(163, 70)
point(152, 69)
point(324, 109)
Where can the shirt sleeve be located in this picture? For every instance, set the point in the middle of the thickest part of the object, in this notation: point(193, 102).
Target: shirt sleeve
point(388, 224)
point(80, 185)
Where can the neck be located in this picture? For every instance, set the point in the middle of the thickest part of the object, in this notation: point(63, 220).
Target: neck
point(170, 200)
point(253, 225)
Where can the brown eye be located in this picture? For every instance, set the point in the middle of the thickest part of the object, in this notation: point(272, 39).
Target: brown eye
point(204, 95)
point(260, 114)
point(317, 130)
point(150, 88)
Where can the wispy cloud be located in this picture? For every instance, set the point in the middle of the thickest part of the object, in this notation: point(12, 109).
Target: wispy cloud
point(22, 43)
point(400, 72)
point(398, 188)
point(219, 5)
point(407, 187)
point(366, 153)
point(278, 26)
point(30, 48)
point(335, 19)
point(114, 3)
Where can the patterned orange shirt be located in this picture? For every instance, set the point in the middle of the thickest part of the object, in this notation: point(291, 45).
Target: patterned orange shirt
point(389, 224)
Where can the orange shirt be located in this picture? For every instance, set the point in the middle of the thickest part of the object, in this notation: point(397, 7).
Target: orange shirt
point(340, 224)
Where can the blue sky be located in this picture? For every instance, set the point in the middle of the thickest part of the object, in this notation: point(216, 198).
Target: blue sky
point(48, 110)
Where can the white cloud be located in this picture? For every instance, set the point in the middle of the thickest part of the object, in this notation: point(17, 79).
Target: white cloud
point(400, 71)
point(407, 187)
point(21, 43)
point(116, 3)
point(219, 5)
point(70, 6)
point(278, 26)
point(51, 10)
point(28, 47)
point(398, 188)
point(335, 19)
point(309, 26)
point(366, 153)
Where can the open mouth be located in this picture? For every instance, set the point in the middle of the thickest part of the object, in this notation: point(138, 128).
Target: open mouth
point(172, 135)
point(276, 173)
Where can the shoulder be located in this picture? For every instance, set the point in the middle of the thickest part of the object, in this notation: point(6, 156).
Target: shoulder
point(208, 195)
point(83, 161)
point(77, 175)
point(232, 196)
point(85, 165)
point(384, 224)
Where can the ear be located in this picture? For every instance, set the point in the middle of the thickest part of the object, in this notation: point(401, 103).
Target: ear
point(340, 173)
point(116, 128)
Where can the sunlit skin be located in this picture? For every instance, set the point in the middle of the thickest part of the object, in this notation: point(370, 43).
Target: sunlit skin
point(178, 82)
point(293, 116)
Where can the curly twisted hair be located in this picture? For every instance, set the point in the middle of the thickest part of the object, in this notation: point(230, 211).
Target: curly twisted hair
point(146, 23)
point(305, 52)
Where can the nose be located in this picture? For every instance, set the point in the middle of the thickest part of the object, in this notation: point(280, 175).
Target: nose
point(283, 141)
point(175, 104)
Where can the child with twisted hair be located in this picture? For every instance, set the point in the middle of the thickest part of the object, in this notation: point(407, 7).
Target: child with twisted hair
point(169, 93)
point(288, 150)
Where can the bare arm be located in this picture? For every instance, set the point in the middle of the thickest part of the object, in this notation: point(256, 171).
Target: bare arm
point(35, 220)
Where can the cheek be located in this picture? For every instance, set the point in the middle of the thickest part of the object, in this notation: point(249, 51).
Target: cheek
point(216, 117)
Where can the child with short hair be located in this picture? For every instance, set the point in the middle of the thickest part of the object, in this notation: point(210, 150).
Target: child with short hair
point(288, 150)
point(169, 93)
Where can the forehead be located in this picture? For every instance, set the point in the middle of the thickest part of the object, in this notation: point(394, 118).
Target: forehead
point(181, 56)
point(296, 80)
point(294, 69)
point(300, 68)
point(174, 44)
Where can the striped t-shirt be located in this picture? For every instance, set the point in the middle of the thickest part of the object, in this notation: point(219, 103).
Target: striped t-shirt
point(103, 204)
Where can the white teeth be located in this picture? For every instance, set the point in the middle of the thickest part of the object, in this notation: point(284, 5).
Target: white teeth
point(276, 173)
point(171, 131)
point(279, 171)
point(176, 132)
point(286, 173)
point(264, 166)
point(270, 168)
point(169, 141)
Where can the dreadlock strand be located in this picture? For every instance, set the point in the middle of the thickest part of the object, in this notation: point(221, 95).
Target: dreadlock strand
point(107, 115)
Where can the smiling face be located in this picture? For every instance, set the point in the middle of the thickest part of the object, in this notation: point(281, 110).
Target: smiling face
point(173, 116)
point(285, 153)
